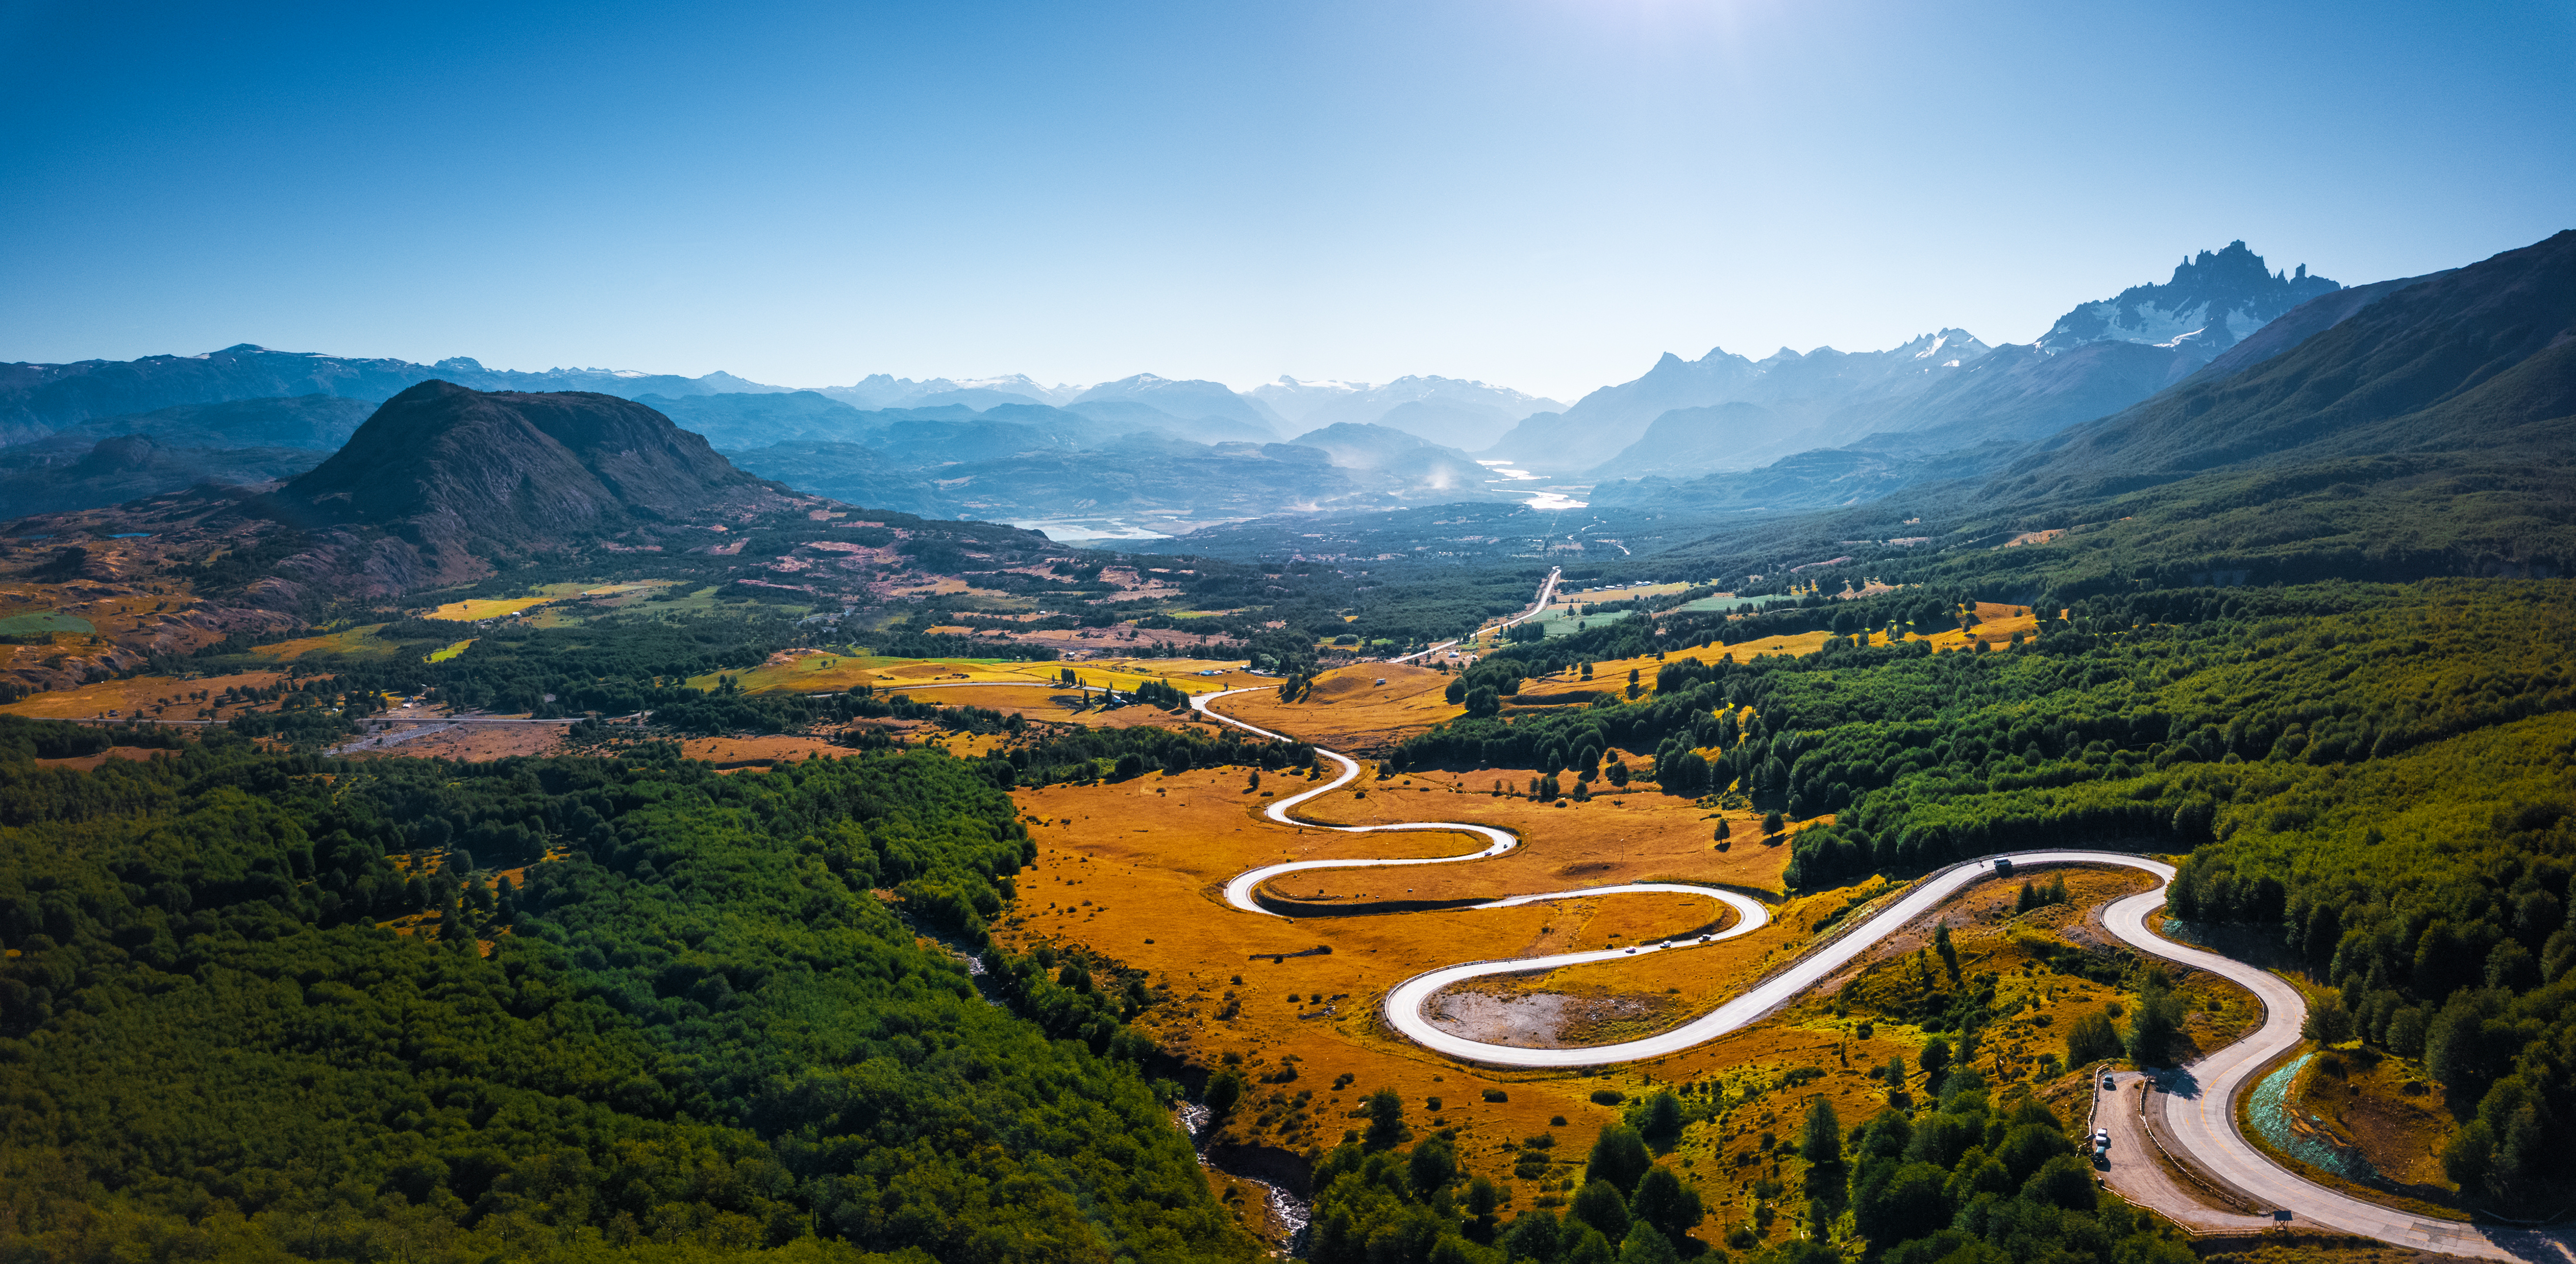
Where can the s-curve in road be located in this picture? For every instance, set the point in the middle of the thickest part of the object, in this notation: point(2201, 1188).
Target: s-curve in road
point(2201, 1115)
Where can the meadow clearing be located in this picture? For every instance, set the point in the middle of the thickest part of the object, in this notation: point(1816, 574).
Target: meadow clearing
point(142, 697)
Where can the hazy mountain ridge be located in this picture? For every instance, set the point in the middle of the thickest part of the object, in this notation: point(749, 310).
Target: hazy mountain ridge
point(1819, 399)
point(2418, 426)
point(1447, 411)
point(1943, 389)
point(38, 399)
point(115, 459)
point(880, 390)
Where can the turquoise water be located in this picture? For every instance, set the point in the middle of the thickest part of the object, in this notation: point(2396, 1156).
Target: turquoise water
point(2270, 1115)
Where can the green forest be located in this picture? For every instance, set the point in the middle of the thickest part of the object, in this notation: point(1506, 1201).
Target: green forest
point(699, 1023)
point(1966, 1181)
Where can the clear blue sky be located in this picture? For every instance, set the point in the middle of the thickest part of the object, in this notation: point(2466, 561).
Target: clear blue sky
point(1543, 194)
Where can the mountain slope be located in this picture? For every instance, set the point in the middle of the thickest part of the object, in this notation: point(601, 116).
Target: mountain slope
point(2490, 344)
point(2020, 393)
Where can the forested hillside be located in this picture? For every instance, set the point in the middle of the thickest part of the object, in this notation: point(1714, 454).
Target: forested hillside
point(697, 1015)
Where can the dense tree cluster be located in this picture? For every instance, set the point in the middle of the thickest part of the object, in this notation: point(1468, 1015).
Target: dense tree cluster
point(1064, 754)
point(1964, 1181)
point(707, 1020)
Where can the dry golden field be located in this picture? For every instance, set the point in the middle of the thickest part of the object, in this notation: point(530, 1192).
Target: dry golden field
point(1134, 871)
point(144, 697)
point(1348, 710)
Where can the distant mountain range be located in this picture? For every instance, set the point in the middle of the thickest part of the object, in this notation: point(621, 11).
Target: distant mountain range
point(1094, 457)
point(1940, 391)
point(1721, 434)
point(39, 399)
point(2408, 429)
point(111, 460)
point(2397, 380)
point(1441, 410)
point(878, 390)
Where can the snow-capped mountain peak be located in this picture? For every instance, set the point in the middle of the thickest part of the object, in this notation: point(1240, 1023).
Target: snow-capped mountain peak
point(2213, 301)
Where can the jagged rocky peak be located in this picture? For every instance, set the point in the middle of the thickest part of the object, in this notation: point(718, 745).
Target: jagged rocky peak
point(2213, 301)
point(1945, 348)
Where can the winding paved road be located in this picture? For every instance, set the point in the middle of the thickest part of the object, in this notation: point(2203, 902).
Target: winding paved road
point(2199, 1108)
point(1546, 592)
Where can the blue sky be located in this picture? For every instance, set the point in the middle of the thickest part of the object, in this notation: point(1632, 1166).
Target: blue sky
point(1541, 194)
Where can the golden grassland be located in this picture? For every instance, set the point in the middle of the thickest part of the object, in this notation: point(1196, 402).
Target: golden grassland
point(2384, 1106)
point(1134, 871)
point(477, 608)
point(825, 671)
point(1347, 710)
point(357, 641)
point(1997, 625)
point(144, 697)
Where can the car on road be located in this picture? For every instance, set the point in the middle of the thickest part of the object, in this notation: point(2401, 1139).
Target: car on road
point(2108, 1082)
point(2101, 1141)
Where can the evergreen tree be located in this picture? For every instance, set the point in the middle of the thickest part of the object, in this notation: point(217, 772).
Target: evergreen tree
point(1619, 1156)
point(2159, 1020)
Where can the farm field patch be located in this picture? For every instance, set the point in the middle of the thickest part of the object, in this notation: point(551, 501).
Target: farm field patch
point(45, 623)
point(358, 640)
point(140, 697)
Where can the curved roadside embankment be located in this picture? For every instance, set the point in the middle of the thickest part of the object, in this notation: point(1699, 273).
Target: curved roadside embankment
point(2201, 1114)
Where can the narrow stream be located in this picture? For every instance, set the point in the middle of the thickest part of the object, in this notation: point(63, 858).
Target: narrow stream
point(1285, 1208)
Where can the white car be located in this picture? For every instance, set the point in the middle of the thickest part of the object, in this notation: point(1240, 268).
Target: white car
point(2101, 1141)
